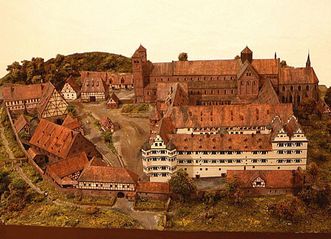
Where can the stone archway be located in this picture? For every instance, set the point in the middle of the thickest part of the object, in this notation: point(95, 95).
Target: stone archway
point(120, 195)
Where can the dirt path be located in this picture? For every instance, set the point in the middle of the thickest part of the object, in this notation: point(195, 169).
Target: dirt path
point(149, 220)
point(129, 139)
point(6, 143)
point(27, 180)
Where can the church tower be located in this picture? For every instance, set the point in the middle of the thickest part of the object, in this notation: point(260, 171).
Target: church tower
point(308, 64)
point(139, 62)
point(246, 55)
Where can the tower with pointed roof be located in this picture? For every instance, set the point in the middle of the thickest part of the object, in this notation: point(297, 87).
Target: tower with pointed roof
point(308, 64)
point(246, 55)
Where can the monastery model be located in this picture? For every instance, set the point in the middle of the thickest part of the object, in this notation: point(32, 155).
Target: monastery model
point(211, 118)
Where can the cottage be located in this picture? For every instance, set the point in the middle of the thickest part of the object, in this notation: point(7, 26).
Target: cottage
point(113, 101)
point(57, 142)
point(120, 180)
point(94, 90)
point(70, 90)
point(52, 105)
point(36, 98)
point(262, 182)
point(107, 125)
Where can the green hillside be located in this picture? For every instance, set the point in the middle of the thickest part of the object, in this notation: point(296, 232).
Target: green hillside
point(57, 69)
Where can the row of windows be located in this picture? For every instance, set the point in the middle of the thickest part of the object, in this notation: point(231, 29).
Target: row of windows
point(160, 174)
point(288, 144)
point(211, 92)
point(101, 185)
point(289, 151)
point(194, 78)
point(160, 168)
point(299, 87)
point(289, 161)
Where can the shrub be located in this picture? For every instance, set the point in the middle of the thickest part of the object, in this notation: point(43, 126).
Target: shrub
point(291, 208)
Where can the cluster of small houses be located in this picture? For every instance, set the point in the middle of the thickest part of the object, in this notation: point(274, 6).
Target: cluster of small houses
point(54, 141)
point(95, 87)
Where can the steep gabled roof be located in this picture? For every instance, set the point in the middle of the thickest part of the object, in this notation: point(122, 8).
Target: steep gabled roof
point(303, 75)
point(93, 85)
point(20, 123)
point(246, 66)
point(267, 94)
point(108, 174)
point(53, 138)
point(114, 98)
point(72, 82)
point(246, 50)
point(45, 97)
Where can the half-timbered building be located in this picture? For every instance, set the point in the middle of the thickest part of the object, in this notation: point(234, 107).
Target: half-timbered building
point(94, 90)
point(56, 142)
point(70, 90)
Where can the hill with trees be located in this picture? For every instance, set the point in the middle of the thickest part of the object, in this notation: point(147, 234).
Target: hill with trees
point(57, 69)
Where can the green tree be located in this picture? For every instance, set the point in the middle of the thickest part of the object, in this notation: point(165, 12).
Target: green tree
point(183, 56)
point(182, 185)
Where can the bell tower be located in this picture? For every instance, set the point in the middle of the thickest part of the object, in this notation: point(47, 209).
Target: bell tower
point(139, 62)
point(246, 55)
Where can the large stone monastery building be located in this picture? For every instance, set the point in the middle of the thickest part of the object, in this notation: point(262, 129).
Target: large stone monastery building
point(218, 82)
point(207, 141)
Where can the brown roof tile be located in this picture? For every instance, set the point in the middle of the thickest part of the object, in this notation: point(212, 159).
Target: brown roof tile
point(68, 166)
point(228, 115)
point(108, 174)
point(212, 67)
point(289, 75)
point(71, 123)
point(272, 178)
point(24, 92)
point(20, 123)
point(53, 138)
point(153, 187)
point(219, 142)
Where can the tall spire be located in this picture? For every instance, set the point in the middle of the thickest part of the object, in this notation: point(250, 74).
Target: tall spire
point(308, 60)
point(275, 55)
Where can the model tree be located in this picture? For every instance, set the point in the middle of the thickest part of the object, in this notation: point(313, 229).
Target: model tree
point(327, 97)
point(182, 185)
point(183, 56)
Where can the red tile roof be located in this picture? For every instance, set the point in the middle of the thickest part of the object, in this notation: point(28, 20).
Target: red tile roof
point(68, 166)
point(24, 92)
point(72, 82)
point(212, 67)
point(228, 115)
point(20, 123)
point(267, 94)
point(153, 187)
point(71, 123)
point(219, 142)
point(304, 75)
point(272, 178)
point(108, 174)
point(53, 138)
point(93, 85)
